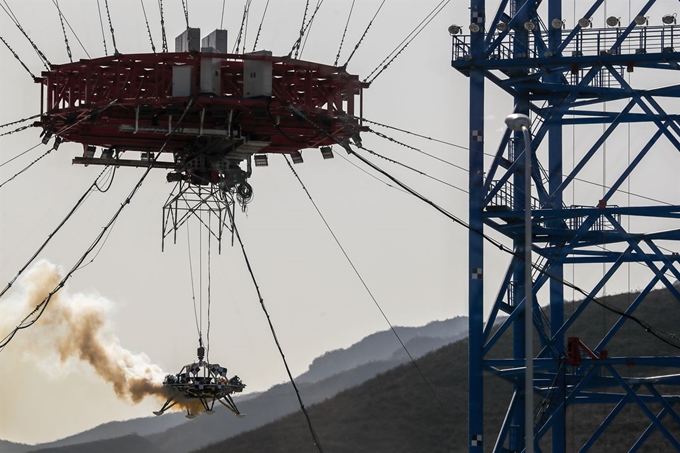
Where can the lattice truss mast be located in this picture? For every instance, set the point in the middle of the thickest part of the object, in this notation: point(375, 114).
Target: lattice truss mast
point(564, 77)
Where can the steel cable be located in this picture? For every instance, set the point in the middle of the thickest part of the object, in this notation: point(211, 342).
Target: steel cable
point(18, 59)
point(148, 28)
point(317, 444)
point(358, 44)
point(344, 33)
point(365, 285)
point(37, 312)
point(14, 19)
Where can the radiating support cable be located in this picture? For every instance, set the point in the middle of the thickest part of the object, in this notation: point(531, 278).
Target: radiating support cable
point(317, 444)
point(101, 24)
point(77, 206)
point(17, 57)
point(63, 29)
point(365, 285)
point(358, 44)
point(148, 28)
point(259, 29)
point(344, 33)
point(14, 19)
point(113, 35)
point(404, 44)
point(165, 41)
point(37, 312)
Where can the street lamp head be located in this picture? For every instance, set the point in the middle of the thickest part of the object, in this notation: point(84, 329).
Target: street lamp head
point(613, 21)
point(517, 122)
point(454, 29)
point(669, 19)
point(585, 22)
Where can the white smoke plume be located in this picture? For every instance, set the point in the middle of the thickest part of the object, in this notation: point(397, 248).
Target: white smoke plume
point(77, 327)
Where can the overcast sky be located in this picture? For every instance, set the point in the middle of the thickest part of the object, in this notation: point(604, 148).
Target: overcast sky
point(412, 258)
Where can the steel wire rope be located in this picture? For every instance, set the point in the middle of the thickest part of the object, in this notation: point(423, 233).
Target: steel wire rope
point(193, 289)
point(409, 38)
point(456, 166)
point(185, 7)
point(20, 154)
point(365, 285)
point(18, 121)
point(148, 28)
point(344, 33)
point(63, 29)
point(19, 60)
point(644, 197)
point(61, 14)
point(39, 309)
point(358, 44)
point(224, 2)
point(207, 337)
point(57, 142)
point(408, 167)
point(101, 24)
point(259, 29)
point(113, 36)
point(77, 206)
point(309, 26)
point(296, 45)
point(14, 19)
point(14, 131)
point(649, 328)
point(237, 44)
point(381, 135)
point(27, 167)
point(317, 444)
point(656, 332)
point(164, 38)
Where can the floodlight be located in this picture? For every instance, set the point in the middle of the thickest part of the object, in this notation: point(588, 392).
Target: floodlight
point(107, 153)
point(327, 152)
point(669, 19)
point(455, 29)
point(585, 22)
point(613, 21)
point(88, 151)
point(529, 26)
point(261, 160)
point(641, 20)
point(297, 157)
point(557, 24)
point(502, 26)
point(475, 28)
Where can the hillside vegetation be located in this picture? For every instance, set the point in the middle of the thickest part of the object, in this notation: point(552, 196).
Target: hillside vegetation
point(398, 412)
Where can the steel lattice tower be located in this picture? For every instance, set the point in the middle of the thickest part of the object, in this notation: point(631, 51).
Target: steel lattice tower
point(562, 77)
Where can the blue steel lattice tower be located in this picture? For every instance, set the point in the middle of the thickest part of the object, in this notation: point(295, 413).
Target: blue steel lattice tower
point(563, 77)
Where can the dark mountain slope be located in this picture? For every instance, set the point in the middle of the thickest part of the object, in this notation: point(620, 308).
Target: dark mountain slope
point(127, 444)
point(396, 412)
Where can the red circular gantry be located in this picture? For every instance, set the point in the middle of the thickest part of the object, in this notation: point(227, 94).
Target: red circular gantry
point(230, 106)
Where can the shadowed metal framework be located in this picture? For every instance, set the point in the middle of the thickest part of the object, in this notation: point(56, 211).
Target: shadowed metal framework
point(562, 77)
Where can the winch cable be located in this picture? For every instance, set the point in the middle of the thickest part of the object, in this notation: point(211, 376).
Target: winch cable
point(317, 444)
point(39, 309)
point(365, 285)
point(358, 44)
point(62, 15)
point(344, 33)
point(14, 19)
point(77, 206)
point(101, 24)
point(148, 28)
point(17, 57)
point(667, 337)
point(20, 154)
point(259, 29)
point(404, 44)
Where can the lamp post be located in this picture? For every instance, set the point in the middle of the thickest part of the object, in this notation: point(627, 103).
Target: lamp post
point(520, 122)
